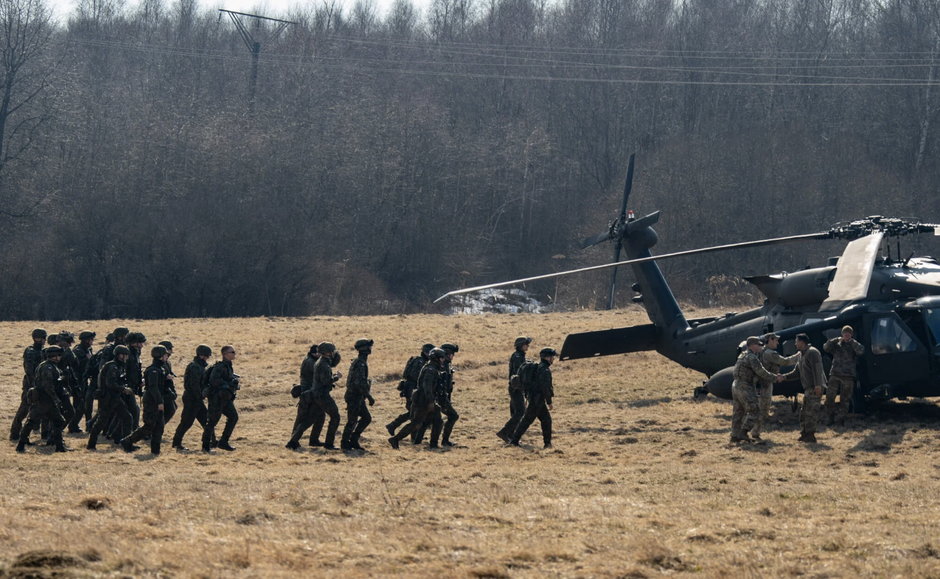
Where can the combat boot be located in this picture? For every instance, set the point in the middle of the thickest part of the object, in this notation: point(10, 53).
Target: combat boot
point(21, 447)
point(390, 427)
point(809, 437)
point(128, 446)
point(394, 442)
point(224, 445)
point(292, 445)
point(61, 448)
point(354, 442)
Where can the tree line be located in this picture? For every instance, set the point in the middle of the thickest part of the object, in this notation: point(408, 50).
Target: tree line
point(385, 159)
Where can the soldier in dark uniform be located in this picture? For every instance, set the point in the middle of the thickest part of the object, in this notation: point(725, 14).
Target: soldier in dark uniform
point(73, 396)
point(408, 385)
point(118, 338)
point(540, 396)
point(358, 391)
point(111, 391)
point(135, 374)
point(32, 356)
point(308, 412)
point(194, 409)
point(424, 407)
point(84, 352)
point(223, 386)
point(44, 402)
point(105, 355)
point(158, 399)
point(323, 381)
point(516, 391)
point(446, 394)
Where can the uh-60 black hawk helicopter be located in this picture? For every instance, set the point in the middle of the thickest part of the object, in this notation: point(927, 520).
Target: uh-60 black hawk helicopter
point(893, 304)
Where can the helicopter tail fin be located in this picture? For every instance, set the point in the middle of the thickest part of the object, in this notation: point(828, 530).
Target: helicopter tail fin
point(607, 342)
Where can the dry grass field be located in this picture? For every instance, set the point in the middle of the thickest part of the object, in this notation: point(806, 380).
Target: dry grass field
point(641, 483)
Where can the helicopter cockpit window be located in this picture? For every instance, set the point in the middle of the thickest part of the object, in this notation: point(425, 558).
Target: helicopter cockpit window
point(888, 336)
point(933, 322)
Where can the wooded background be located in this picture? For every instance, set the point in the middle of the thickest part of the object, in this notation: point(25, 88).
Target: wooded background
point(386, 160)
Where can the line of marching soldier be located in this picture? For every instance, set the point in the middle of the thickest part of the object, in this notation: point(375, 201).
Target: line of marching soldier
point(61, 385)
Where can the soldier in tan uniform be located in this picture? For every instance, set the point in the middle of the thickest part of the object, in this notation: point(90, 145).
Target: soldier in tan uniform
point(813, 378)
point(845, 351)
point(748, 372)
point(772, 362)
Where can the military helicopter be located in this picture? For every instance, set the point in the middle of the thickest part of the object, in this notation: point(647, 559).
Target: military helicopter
point(893, 304)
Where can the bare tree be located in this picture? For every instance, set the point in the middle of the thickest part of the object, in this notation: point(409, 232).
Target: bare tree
point(24, 36)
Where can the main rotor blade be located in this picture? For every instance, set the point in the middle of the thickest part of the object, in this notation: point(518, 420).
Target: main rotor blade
point(853, 272)
point(821, 235)
point(589, 241)
point(627, 187)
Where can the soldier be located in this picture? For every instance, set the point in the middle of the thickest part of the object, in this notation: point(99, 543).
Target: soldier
point(445, 395)
point(158, 400)
point(748, 374)
point(358, 390)
point(117, 338)
point(408, 385)
point(111, 391)
point(194, 409)
point(323, 381)
point(772, 362)
point(516, 393)
point(84, 352)
point(423, 405)
point(71, 391)
point(539, 395)
point(105, 355)
point(223, 386)
point(309, 412)
point(813, 378)
point(135, 374)
point(845, 351)
point(32, 356)
point(44, 402)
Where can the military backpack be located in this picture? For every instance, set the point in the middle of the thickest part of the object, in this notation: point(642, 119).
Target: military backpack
point(525, 377)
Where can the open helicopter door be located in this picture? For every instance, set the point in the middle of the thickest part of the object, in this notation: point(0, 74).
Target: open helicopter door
point(894, 354)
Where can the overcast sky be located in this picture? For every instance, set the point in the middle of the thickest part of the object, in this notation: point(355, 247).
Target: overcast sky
point(274, 8)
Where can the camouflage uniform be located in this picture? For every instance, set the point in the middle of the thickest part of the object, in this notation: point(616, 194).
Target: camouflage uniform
point(32, 356)
point(540, 396)
point(223, 386)
point(842, 375)
point(516, 397)
point(407, 387)
point(45, 406)
point(423, 406)
point(772, 362)
point(112, 380)
point(748, 372)
point(158, 390)
point(323, 381)
point(358, 390)
point(194, 409)
point(811, 373)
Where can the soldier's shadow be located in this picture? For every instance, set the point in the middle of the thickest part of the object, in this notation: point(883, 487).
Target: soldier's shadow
point(145, 457)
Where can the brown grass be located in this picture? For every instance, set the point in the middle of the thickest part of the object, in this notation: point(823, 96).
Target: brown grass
point(642, 481)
